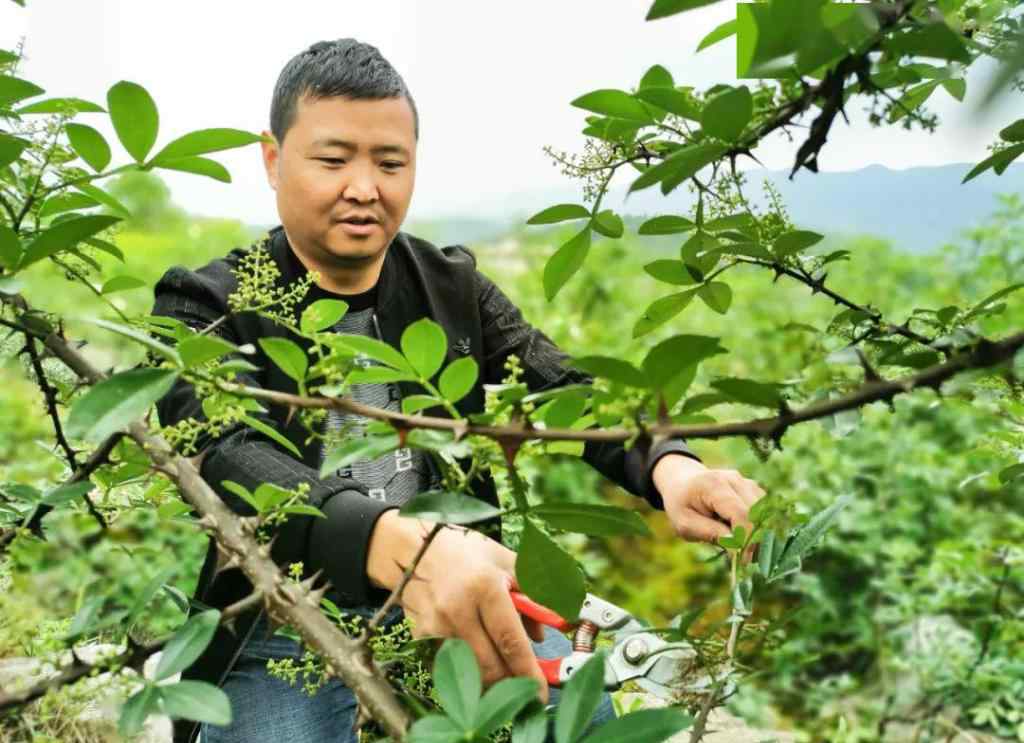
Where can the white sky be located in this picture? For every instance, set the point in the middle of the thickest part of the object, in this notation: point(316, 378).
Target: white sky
point(492, 82)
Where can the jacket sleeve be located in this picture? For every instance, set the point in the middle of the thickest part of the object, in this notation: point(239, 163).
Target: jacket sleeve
point(506, 332)
point(336, 544)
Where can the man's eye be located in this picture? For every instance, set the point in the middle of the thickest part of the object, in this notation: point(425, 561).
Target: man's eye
point(331, 160)
point(392, 164)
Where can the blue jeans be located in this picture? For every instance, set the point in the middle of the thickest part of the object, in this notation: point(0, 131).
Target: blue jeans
point(266, 708)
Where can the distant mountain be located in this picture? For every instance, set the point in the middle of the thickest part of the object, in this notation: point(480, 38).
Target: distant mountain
point(918, 209)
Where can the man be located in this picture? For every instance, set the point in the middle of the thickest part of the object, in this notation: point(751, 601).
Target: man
point(342, 162)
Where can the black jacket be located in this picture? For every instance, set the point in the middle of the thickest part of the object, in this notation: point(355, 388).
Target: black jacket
point(417, 280)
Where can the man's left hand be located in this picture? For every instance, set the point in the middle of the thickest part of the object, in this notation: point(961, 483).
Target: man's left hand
point(704, 504)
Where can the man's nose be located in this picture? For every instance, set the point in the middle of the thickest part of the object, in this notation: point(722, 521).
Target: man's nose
point(361, 186)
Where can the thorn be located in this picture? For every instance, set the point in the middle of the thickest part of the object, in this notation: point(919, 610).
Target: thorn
point(291, 412)
point(249, 523)
point(403, 433)
point(308, 583)
point(869, 371)
point(784, 410)
point(284, 594)
point(460, 431)
point(663, 418)
point(510, 447)
point(207, 522)
point(316, 596)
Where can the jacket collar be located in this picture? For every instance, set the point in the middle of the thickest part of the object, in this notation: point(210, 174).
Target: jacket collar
point(292, 269)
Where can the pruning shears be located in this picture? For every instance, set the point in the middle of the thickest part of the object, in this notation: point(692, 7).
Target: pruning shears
point(658, 666)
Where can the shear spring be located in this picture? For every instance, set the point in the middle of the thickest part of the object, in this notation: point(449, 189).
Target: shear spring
point(583, 638)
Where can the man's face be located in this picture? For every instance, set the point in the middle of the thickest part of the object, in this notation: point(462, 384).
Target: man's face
point(341, 159)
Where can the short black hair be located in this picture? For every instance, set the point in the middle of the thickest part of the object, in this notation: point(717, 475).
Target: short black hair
point(343, 67)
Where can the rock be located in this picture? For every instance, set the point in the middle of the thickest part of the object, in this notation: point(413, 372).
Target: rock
point(111, 689)
point(722, 727)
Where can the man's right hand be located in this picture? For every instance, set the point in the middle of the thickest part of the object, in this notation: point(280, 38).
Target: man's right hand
point(460, 589)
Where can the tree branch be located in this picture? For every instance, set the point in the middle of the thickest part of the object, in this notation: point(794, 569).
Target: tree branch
point(287, 602)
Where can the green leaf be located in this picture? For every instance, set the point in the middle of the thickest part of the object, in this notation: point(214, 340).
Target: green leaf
point(565, 262)
point(660, 311)
point(749, 392)
point(956, 87)
point(376, 350)
point(204, 141)
point(197, 166)
point(595, 520)
point(322, 314)
point(666, 225)
point(616, 103)
point(1014, 132)
point(363, 448)
point(673, 355)
point(1008, 474)
point(672, 100)
point(64, 235)
point(136, 709)
point(416, 403)
point(680, 165)
point(89, 145)
point(992, 299)
point(611, 368)
point(242, 492)
point(67, 493)
point(999, 161)
point(934, 40)
point(665, 8)
point(288, 356)
point(14, 89)
point(196, 700)
point(116, 402)
point(580, 697)
point(502, 702)
point(59, 106)
point(564, 410)
point(458, 378)
point(670, 272)
point(642, 726)
point(198, 349)
point(435, 729)
point(134, 116)
point(449, 507)
point(531, 728)
point(188, 644)
point(10, 248)
point(727, 114)
point(457, 681)
point(808, 535)
point(379, 375)
point(548, 574)
point(717, 295)
point(794, 241)
point(657, 76)
point(424, 344)
point(304, 509)
point(121, 284)
point(103, 198)
point(607, 223)
point(720, 33)
point(12, 147)
point(913, 99)
point(559, 213)
point(766, 553)
point(161, 349)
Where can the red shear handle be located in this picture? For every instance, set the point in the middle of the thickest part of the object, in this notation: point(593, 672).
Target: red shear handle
point(552, 668)
point(527, 606)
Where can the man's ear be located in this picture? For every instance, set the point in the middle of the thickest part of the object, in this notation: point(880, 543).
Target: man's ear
point(271, 153)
